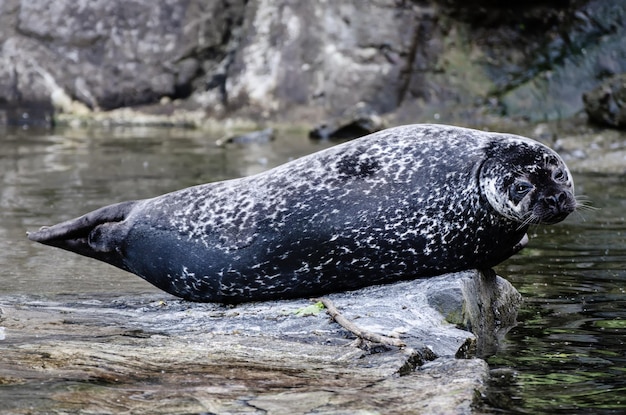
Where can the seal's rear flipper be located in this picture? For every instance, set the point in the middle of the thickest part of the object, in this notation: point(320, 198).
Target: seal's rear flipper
point(94, 235)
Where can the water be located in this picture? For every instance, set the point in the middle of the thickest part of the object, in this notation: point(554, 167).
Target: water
point(49, 178)
point(567, 355)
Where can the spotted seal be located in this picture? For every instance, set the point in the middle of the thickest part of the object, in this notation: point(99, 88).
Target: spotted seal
point(407, 202)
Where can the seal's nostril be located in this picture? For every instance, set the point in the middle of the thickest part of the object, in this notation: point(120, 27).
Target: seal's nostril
point(567, 202)
point(559, 203)
point(551, 201)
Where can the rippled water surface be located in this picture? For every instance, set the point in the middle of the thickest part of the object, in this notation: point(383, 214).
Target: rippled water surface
point(49, 178)
point(567, 355)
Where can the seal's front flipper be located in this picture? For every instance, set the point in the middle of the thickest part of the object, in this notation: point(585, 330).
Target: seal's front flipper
point(96, 234)
point(521, 244)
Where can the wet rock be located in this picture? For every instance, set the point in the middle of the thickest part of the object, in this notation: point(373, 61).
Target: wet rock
point(354, 123)
point(157, 354)
point(253, 137)
point(501, 383)
point(606, 104)
point(590, 148)
point(490, 310)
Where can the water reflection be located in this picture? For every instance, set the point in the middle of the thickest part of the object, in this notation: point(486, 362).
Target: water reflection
point(567, 354)
point(48, 178)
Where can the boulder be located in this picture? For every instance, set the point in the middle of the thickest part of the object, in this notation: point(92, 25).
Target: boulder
point(110, 54)
point(158, 354)
point(606, 104)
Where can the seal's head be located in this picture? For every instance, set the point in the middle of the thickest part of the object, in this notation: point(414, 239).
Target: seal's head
point(527, 182)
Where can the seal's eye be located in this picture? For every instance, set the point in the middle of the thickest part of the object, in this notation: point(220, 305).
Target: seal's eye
point(559, 175)
point(518, 190)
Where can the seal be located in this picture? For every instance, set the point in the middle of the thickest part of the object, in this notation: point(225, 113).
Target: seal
point(408, 202)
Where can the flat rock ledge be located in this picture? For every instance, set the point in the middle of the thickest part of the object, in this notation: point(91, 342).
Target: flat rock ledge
point(154, 354)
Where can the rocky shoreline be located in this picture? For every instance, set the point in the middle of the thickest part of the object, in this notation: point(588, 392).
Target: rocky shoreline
point(551, 70)
point(199, 62)
point(157, 354)
point(586, 148)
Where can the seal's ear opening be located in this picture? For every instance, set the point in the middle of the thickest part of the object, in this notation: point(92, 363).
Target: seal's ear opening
point(83, 235)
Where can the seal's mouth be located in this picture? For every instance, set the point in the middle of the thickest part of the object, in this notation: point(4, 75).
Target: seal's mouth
point(551, 220)
point(554, 208)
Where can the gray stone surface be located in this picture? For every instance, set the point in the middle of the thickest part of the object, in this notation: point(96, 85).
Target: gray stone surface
point(606, 104)
point(109, 54)
point(156, 354)
point(307, 61)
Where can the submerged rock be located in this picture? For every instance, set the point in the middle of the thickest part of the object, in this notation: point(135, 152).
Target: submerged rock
point(157, 354)
point(253, 137)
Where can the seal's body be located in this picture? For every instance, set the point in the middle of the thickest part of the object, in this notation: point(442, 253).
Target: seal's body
point(408, 202)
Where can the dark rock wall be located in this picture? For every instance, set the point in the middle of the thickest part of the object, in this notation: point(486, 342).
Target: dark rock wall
point(297, 60)
point(111, 53)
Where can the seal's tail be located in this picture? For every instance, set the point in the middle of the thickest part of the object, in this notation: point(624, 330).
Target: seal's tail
point(89, 235)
